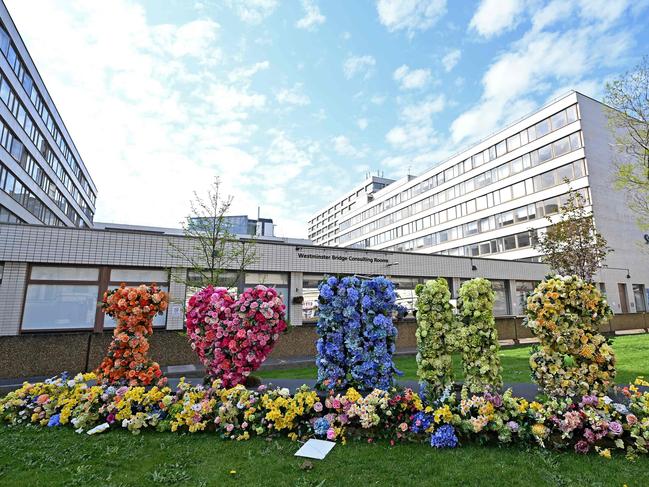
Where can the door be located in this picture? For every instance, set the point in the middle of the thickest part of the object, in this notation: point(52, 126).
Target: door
point(624, 302)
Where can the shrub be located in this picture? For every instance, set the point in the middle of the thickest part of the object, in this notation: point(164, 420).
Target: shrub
point(478, 338)
point(435, 338)
point(573, 358)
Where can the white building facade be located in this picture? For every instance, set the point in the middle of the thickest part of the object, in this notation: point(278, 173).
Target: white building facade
point(487, 200)
point(323, 227)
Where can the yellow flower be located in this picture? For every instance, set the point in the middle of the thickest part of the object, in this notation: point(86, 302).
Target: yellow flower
point(539, 430)
point(606, 453)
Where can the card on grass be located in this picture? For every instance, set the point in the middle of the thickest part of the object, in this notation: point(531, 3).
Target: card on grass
point(317, 449)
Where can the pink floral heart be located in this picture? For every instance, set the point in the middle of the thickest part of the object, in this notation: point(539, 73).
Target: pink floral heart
point(233, 336)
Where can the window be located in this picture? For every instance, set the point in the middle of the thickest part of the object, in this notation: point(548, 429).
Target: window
point(639, 298)
point(60, 306)
point(561, 146)
point(501, 301)
point(523, 240)
point(523, 290)
point(509, 243)
point(501, 148)
point(513, 142)
point(571, 113)
point(575, 141)
point(558, 120)
point(545, 153)
point(542, 128)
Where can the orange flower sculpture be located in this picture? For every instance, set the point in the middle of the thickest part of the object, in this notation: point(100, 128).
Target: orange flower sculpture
point(127, 361)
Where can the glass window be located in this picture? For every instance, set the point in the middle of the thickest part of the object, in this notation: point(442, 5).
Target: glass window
point(524, 137)
point(505, 194)
point(558, 120)
point(485, 248)
point(578, 167)
point(143, 276)
point(503, 171)
point(501, 148)
point(523, 290)
point(477, 160)
point(639, 298)
point(520, 214)
point(545, 153)
point(519, 189)
point(471, 228)
point(564, 172)
point(509, 243)
point(571, 113)
point(523, 240)
point(550, 206)
point(542, 128)
point(481, 202)
point(513, 142)
point(561, 146)
point(575, 141)
point(517, 165)
point(60, 306)
point(53, 273)
point(531, 134)
point(501, 305)
point(507, 219)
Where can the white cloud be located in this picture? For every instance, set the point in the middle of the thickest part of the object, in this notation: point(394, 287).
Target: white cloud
point(451, 59)
point(362, 123)
point(312, 16)
point(252, 11)
point(359, 65)
point(495, 17)
point(247, 72)
point(293, 96)
point(410, 15)
point(377, 99)
point(415, 130)
point(343, 146)
point(410, 79)
point(163, 124)
point(539, 61)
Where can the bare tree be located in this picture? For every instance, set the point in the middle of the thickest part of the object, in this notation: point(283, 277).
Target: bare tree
point(628, 97)
point(214, 255)
point(572, 245)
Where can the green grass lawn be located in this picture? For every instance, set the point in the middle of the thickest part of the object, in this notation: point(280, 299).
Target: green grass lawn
point(46, 457)
point(632, 353)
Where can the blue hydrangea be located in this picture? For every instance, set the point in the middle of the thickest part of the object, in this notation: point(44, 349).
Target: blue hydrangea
point(320, 427)
point(55, 420)
point(444, 437)
point(420, 422)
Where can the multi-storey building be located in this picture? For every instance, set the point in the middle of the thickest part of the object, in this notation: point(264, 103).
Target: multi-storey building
point(42, 177)
point(488, 200)
point(323, 227)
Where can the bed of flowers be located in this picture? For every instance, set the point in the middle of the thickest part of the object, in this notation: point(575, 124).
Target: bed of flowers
point(599, 424)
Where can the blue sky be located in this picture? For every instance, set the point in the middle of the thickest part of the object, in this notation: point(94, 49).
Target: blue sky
point(292, 102)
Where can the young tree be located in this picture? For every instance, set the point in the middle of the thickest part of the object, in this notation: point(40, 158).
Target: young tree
point(572, 245)
point(628, 97)
point(214, 255)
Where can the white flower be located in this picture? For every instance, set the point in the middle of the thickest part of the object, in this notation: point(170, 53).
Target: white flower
point(99, 428)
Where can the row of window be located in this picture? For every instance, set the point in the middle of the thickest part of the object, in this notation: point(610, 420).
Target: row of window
point(15, 147)
point(7, 216)
point(521, 214)
point(11, 100)
point(544, 127)
point(25, 198)
point(526, 161)
point(17, 65)
point(538, 183)
point(343, 204)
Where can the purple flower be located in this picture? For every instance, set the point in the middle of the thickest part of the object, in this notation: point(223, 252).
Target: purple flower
point(513, 425)
point(589, 401)
point(582, 447)
point(55, 420)
point(494, 399)
point(615, 428)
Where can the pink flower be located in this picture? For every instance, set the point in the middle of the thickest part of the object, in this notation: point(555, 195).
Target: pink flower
point(331, 434)
point(631, 419)
point(403, 427)
point(317, 407)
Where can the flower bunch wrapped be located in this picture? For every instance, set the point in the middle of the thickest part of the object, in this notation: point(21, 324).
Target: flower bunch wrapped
point(233, 337)
point(573, 358)
point(592, 423)
point(357, 336)
point(127, 360)
point(478, 341)
point(435, 338)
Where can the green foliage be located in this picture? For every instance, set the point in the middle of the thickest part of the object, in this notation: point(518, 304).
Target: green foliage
point(629, 121)
point(478, 338)
point(435, 337)
point(573, 358)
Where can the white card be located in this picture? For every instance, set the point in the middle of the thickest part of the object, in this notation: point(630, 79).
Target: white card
point(317, 449)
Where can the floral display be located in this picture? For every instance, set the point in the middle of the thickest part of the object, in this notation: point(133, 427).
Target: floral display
point(127, 361)
point(573, 358)
point(356, 333)
point(435, 338)
point(597, 424)
point(233, 336)
point(478, 340)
